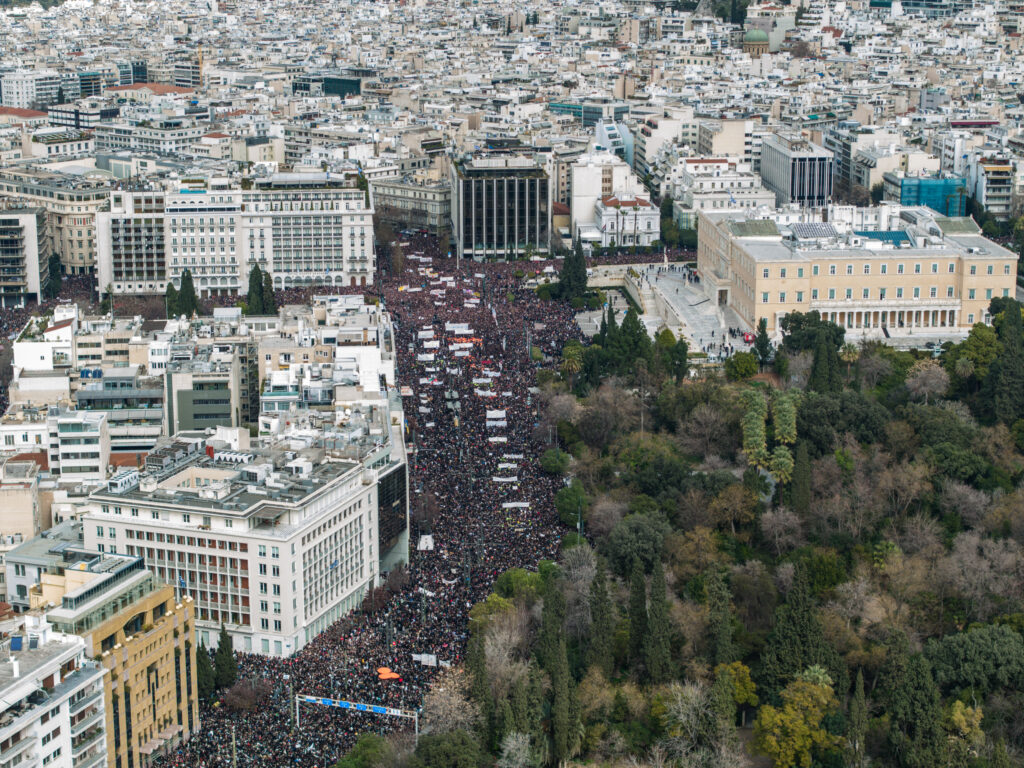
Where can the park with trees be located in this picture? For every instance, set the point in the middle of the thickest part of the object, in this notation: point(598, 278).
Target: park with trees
point(824, 569)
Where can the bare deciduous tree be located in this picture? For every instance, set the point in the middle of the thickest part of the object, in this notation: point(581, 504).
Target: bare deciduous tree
point(504, 649)
point(926, 379)
point(447, 707)
point(605, 513)
point(782, 528)
point(246, 695)
point(705, 431)
point(959, 498)
point(872, 369)
point(516, 751)
point(579, 566)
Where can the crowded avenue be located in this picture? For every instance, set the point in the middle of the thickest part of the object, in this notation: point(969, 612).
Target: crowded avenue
point(480, 505)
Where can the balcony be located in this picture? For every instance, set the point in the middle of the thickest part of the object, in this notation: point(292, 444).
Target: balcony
point(84, 725)
point(84, 702)
point(89, 739)
point(15, 749)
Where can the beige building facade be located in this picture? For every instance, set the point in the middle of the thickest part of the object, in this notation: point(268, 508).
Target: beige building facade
point(892, 272)
point(135, 628)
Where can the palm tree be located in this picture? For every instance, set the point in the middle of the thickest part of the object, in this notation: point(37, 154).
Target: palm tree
point(849, 354)
point(572, 361)
point(963, 368)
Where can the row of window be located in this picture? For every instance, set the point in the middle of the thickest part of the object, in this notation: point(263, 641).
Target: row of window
point(883, 269)
point(882, 293)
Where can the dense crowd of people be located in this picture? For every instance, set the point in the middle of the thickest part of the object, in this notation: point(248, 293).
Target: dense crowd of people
point(492, 510)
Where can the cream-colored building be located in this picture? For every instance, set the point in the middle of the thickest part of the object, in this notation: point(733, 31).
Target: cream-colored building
point(133, 625)
point(879, 272)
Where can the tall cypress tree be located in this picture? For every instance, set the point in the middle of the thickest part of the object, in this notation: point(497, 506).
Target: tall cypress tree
point(269, 301)
point(552, 622)
point(171, 300)
point(762, 344)
point(723, 651)
point(254, 299)
point(206, 680)
point(560, 703)
point(602, 626)
point(658, 646)
point(637, 614)
point(801, 485)
point(188, 303)
point(1003, 388)
point(225, 665)
point(825, 374)
point(916, 735)
point(857, 724)
point(797, 641)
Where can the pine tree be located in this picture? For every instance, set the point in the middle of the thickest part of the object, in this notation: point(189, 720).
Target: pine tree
point(560, 718)
point(857, 724)
point(187, 301)
point(171, 300)
point(599, 648)
point(801, 484)
point(225, 665)
point(254, 299)
point(658, 644)
point(797, 642)
point(206, 680)
point(723, 650)
point(269, 301)
point(637, 614)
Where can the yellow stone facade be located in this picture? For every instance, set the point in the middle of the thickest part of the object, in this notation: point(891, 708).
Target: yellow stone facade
point(939, 289)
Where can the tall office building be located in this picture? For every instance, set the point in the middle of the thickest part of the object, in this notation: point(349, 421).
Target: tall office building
point(25, 248)
point(797, 171)
point(501, 206)
point(275, 544)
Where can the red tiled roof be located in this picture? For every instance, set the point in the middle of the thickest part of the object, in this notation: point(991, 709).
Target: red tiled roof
point(58, 326)
point(614, 202)
point(19, 112)
point(216, 135)
point(559, 209)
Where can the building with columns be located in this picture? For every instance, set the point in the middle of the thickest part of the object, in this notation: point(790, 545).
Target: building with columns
point(878, 272)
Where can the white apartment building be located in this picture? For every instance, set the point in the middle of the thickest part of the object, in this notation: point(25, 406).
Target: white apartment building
point(713, 183)
point(304, 228)
point(597, 175)
point(29, 90)
point(173, 136)
point(275, 544)
point(79, 444)
point(130, 244)
point(53, 710)
point(656, 131)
